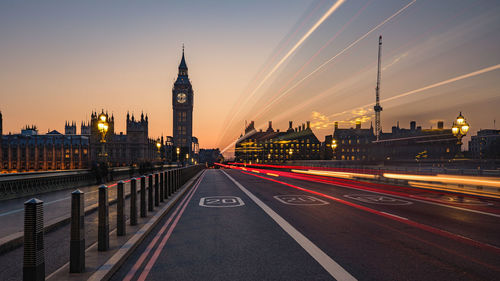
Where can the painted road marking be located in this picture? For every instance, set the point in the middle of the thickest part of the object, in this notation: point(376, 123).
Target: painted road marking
point(180, 208)
point(463, 201)
point(377, 199)
point(332, 267)
point(403, 218)
point(221, 201)
point(300, 200)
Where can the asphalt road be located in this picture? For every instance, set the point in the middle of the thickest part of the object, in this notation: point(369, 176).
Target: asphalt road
point(277, 228)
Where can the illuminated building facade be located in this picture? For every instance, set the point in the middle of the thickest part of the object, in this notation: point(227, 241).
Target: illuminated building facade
point(415, 143)
point(31, 151)
point(485, 145)
point(353, 143)
point(274, 146)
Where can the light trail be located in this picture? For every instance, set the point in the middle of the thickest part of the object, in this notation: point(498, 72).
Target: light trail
point(338, 54)
point(428, 228)
point(328, 13)
point(266, 65)
point(438, 84)
point(345, 175)
point(340, 31)
point(450, 179)
point(355, 77)
point(319, 68)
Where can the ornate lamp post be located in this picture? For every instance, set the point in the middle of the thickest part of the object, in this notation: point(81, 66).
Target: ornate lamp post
point(178, 150)
point(334, 146)
point(459, 130)
point(158, 145)
point(103, 126)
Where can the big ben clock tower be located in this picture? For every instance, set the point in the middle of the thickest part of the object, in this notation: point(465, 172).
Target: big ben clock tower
point(182, 103)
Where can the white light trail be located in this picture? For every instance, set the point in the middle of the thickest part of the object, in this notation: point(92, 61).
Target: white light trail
point(338, 54)
point(438, 84)
point(328, 13)
point(311, 30)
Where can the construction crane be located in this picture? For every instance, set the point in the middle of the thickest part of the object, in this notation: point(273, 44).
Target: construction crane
point(377, 108)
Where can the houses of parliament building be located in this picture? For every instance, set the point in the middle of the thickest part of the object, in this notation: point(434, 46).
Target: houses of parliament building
point(32, 151)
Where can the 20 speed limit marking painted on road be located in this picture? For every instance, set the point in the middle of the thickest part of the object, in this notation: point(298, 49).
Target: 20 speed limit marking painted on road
point(221, 201)
point(300, 200)
point(377, 199)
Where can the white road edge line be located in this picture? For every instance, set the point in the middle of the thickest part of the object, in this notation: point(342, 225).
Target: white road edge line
point(332, 267)
point(393, 215)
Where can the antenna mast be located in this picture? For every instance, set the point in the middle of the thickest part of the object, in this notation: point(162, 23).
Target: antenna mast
point(377, 108)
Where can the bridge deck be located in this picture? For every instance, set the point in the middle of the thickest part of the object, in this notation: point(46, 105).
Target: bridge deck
point(253, 228)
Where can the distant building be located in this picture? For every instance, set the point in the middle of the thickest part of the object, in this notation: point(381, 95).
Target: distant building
point(414, 143)
point(209, 156)
point(123, 149)
point(182, 121)
point(70, 128)
point(485, 145)
point(353, 143)
point(274, 146)
point(417, 143)
point(30, 151)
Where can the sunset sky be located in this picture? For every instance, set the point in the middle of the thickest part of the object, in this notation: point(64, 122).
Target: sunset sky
point(250, 60)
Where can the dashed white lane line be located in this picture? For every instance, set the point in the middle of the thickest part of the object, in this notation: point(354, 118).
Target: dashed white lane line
point(332, 267)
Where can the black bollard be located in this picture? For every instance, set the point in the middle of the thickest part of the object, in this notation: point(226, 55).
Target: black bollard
point(143, 197)
point(34, 256)
point(174, 181)
point(120, 209)
point(165, 178)
point(103, 220)
point(77, 236)
point(178, 179)
point(169, 183)
point(133, 201)
point(162, 187)
point(150, 193)
point(157, 191)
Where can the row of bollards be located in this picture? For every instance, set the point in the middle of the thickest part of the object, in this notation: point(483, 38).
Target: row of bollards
point(165, 184)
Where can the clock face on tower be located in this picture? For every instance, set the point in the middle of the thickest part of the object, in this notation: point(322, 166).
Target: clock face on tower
point(181, 97)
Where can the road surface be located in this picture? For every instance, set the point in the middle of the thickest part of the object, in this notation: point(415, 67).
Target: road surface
point(236, 225)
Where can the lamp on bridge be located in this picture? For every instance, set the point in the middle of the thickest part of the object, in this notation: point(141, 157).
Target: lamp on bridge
point(178, 150)
point(334, 146)
point(158, 145)
point(459, 130)
point(102, 126)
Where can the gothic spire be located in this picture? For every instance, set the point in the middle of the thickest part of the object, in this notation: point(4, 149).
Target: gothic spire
point(183, 64)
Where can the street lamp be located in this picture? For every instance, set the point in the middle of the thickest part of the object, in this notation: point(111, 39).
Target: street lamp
point(459, 130)
point(158, 145)
point(102, 126)
point(178, 150)
point(334, 146)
